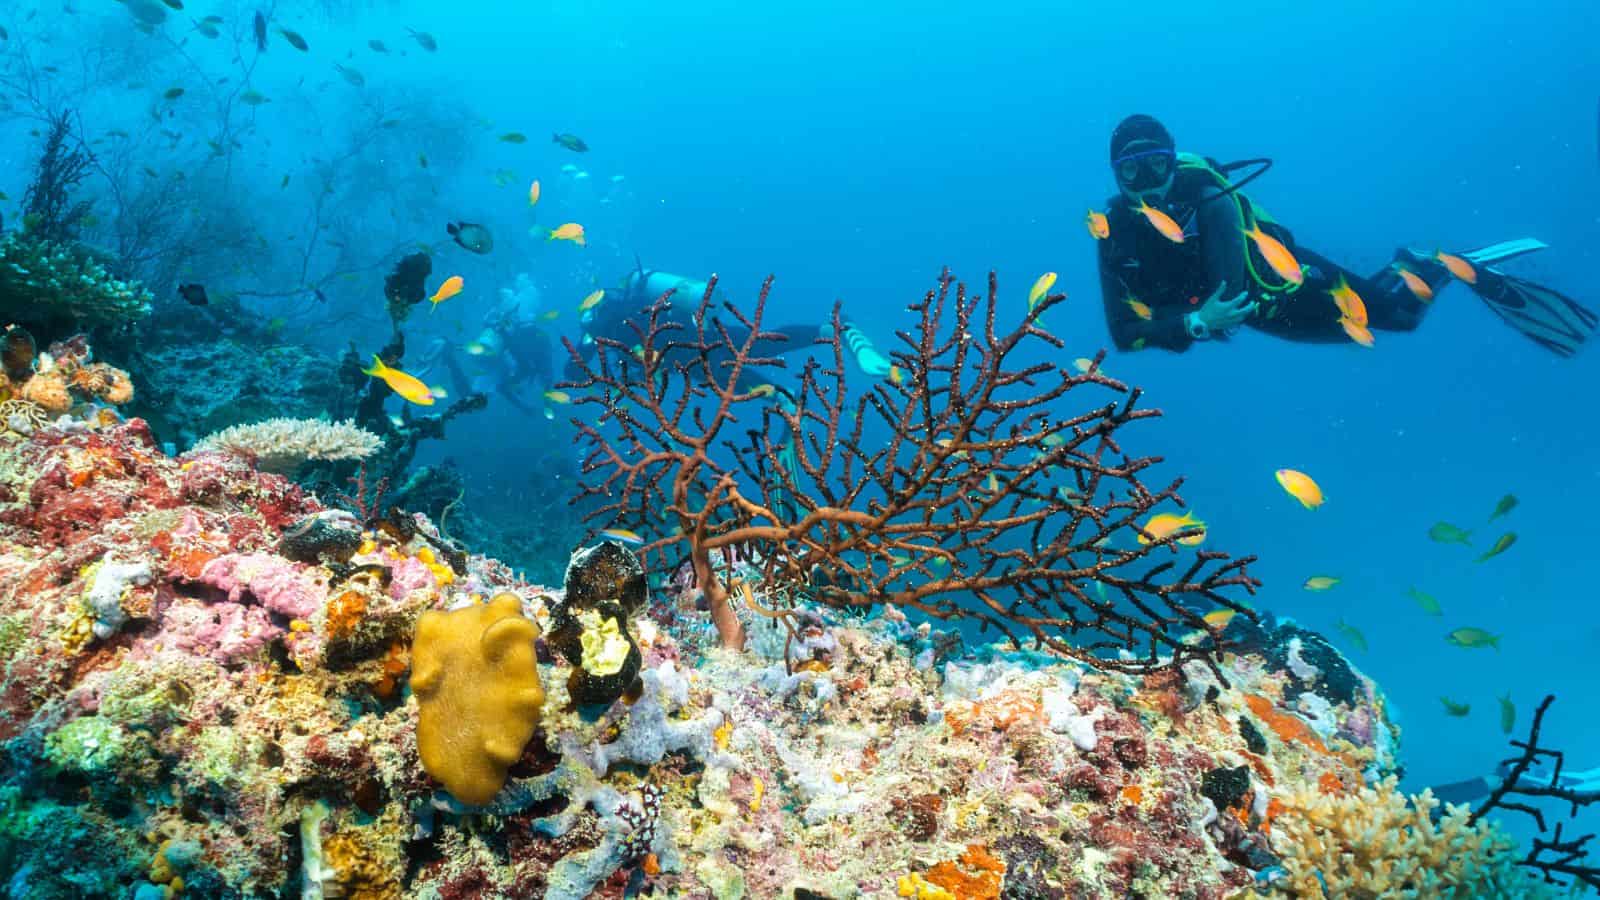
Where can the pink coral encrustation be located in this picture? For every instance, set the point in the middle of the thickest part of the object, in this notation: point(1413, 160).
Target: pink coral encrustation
point(275, 583)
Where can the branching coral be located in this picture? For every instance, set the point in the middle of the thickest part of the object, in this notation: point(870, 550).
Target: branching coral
point(1373, 843)
point(973, 496)
point(55, 288)
point(282, 445)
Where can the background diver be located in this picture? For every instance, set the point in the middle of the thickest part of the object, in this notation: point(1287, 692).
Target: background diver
point(1160, 291)
point(512, 355)
point(623, 319)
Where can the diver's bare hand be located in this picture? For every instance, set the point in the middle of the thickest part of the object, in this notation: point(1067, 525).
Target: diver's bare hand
point(1217, 314)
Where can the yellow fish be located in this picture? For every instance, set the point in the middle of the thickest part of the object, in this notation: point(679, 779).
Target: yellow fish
point(591, 301)
point(1163, 223)
point(1219, 618)
point(1320, 582)
point(405, 385)
point(760, 390)
point(1083, 364)
point(550, 315)
point(1099, 228)
point(897, 376)
point(1139, 307)
point(1458, 267)
point(533, 193)
point(1349, 302)
point(1301, 487)
point(451, 287)
point(1165, 524)
point(623, 535)
point(558, 396)
point(1417, 286)
point(1040, 289)
point(1276, 255)
point(571, 231)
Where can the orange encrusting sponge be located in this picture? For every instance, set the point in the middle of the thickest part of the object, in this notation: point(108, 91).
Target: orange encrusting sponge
point(476, 679)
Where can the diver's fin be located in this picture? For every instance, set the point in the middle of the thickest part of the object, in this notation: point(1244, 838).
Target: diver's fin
point(1549, 318)
point(1503, 251)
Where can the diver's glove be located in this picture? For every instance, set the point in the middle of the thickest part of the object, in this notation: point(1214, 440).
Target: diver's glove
point(1218, 315)
point(867, 356)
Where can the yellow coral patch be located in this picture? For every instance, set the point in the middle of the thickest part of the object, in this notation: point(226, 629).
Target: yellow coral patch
point(476, 679)
point(604, 648)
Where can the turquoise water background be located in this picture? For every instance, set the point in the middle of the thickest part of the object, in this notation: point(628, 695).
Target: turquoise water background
point(855, 149)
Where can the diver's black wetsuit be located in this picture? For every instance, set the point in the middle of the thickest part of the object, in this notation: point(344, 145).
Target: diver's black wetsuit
point(1174, 279)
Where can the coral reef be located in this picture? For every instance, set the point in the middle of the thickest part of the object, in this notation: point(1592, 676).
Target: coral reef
point(284, 445)
point(236, 722)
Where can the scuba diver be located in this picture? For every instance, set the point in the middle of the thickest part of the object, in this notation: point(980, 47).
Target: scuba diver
point(513, 355)
point(618, 320)
point(1182, 260)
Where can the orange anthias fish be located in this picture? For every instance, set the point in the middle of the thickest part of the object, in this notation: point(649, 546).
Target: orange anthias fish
point(1162, 222)
point(1417, 286)
point(451, 287)
point(1301, 487)
point(1164, 524)
point(1458, 267)
point(1140, 308)
point(1098, 226)
point(1361, 334)
point(1276, 255)
point(533, 193)
point(1349, 302)
point(571, 231)
point(591, 301)
point(405, 385)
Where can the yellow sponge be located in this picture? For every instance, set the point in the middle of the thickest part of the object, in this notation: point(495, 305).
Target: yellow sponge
point(476, 679)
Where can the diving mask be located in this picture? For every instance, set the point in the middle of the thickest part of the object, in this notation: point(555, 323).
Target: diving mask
point(1145, 170)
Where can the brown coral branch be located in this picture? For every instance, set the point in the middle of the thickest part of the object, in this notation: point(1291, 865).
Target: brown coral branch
point(958, 487)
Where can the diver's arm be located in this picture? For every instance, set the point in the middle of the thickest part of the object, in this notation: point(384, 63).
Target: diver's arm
point(1163, 329)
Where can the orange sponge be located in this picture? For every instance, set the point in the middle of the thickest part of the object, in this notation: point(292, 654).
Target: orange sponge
point(476, 679)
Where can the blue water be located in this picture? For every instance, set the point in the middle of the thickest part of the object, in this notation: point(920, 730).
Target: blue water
point(854, 151)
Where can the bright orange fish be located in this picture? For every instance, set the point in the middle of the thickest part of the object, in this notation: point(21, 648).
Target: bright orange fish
point(1276, 255)
point(1359, 333)
point(1301, 487)
point(451, 287)
point(533, 193)
point(1098, 226)
point(571, 231)
point(1140, 309)
point(1419, 288)
point(1349, 302)
point(1458, 267)
point(1162, 222)
point(1164, 524)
